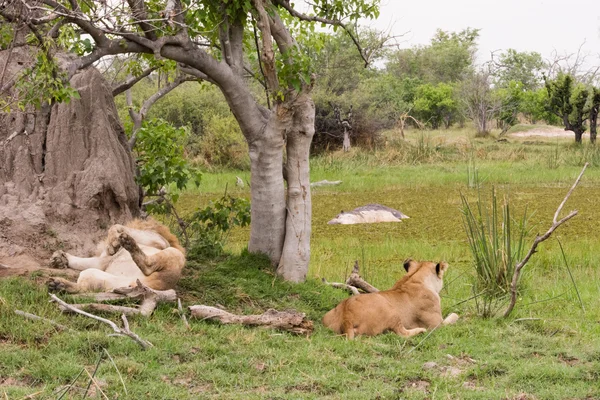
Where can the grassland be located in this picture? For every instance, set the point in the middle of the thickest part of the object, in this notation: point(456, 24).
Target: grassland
point(548, 349)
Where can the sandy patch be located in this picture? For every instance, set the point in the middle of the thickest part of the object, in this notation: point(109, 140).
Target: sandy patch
point(548, 132)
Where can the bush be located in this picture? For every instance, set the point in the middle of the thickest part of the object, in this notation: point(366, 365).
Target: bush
point(208, 229)
point(496, 242)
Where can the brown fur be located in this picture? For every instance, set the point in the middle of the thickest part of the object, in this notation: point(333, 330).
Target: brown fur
point(153, 225)
point(153, 255)
point(410, 307)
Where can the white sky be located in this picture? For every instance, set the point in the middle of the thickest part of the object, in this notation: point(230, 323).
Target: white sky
point(524, 25)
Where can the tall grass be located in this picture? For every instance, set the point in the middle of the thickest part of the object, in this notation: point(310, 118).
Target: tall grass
point(497, 243)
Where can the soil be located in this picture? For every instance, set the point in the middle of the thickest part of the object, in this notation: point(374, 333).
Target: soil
point(66, 172)
point(548, 132)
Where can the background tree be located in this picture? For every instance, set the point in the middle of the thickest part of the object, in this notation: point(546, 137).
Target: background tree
point(523, 67)
point(448, 58)
point(568, 100)
point(594, 109)
point(209, 41)
point(478, 101)
point(435, 105)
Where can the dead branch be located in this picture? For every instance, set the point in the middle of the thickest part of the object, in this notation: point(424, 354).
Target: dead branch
point(99, 307)
point(539, 239)
point(125, 331)
point(355, 280)
point(343, 286)
point(38, 318)
point(290, 321)
point(149, 300)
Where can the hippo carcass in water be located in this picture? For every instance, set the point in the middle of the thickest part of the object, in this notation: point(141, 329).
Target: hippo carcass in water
point(369, 214)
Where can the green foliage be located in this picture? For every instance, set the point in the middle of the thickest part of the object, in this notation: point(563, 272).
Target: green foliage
point(522, 67)
point(42, 83)
point(435, 105)
point(161, 160)
point(534, 105)
point(6, 36)
point(448, 58)
point(209, 228)
point(497, 244)
point(511, 99)
point(568, 100)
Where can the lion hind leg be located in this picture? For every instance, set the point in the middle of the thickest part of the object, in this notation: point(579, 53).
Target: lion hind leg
point(402, 331)
point(61, 259)
point(94, 280)
point(348, 330)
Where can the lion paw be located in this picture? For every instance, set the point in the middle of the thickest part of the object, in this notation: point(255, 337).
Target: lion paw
point(113, 243)
point(58, 285)
point(59, 260)
point(127, 242)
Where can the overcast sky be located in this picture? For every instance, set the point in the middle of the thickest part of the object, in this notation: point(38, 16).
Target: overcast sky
point(524, 25)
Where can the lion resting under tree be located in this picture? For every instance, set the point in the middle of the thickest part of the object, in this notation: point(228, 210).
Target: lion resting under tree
point(142, 249)
point(410, 307)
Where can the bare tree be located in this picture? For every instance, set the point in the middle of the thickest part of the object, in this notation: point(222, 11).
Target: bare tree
point(478, 102)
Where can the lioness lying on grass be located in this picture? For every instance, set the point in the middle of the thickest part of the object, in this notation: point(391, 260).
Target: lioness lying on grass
point(410, 307)
point(144, 250)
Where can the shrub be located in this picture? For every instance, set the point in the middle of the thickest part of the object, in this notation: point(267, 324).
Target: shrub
point(496, 242)
point(208, 229)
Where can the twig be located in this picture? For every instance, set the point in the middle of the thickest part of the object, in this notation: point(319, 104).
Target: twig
point(343, 286)
point(525, 319)
point(539, 239)
point(98, 307)
point(38, 318)
point(117, 369)
point(121, 332)
point(182, 313)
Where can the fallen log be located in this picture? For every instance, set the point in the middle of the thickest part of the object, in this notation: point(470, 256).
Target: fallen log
point(290, 321)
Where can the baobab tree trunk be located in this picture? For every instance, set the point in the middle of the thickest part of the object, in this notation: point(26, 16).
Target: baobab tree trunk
point(293, 265)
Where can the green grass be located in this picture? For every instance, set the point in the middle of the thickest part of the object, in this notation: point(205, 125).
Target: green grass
point(547, 349)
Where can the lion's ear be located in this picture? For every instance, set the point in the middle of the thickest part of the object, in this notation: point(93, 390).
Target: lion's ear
point(440, 268)
point(409, 262)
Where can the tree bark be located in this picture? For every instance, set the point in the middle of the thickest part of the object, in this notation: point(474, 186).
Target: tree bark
point(268, 204)
point(594, 115)
point(293, 265)
point(291, 321)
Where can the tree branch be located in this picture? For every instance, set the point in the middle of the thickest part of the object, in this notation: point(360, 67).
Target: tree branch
point(267, 56)
point(120, 88)
point(140, 14)
point(119, 331)
point(539, 239)
point(310, 18)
